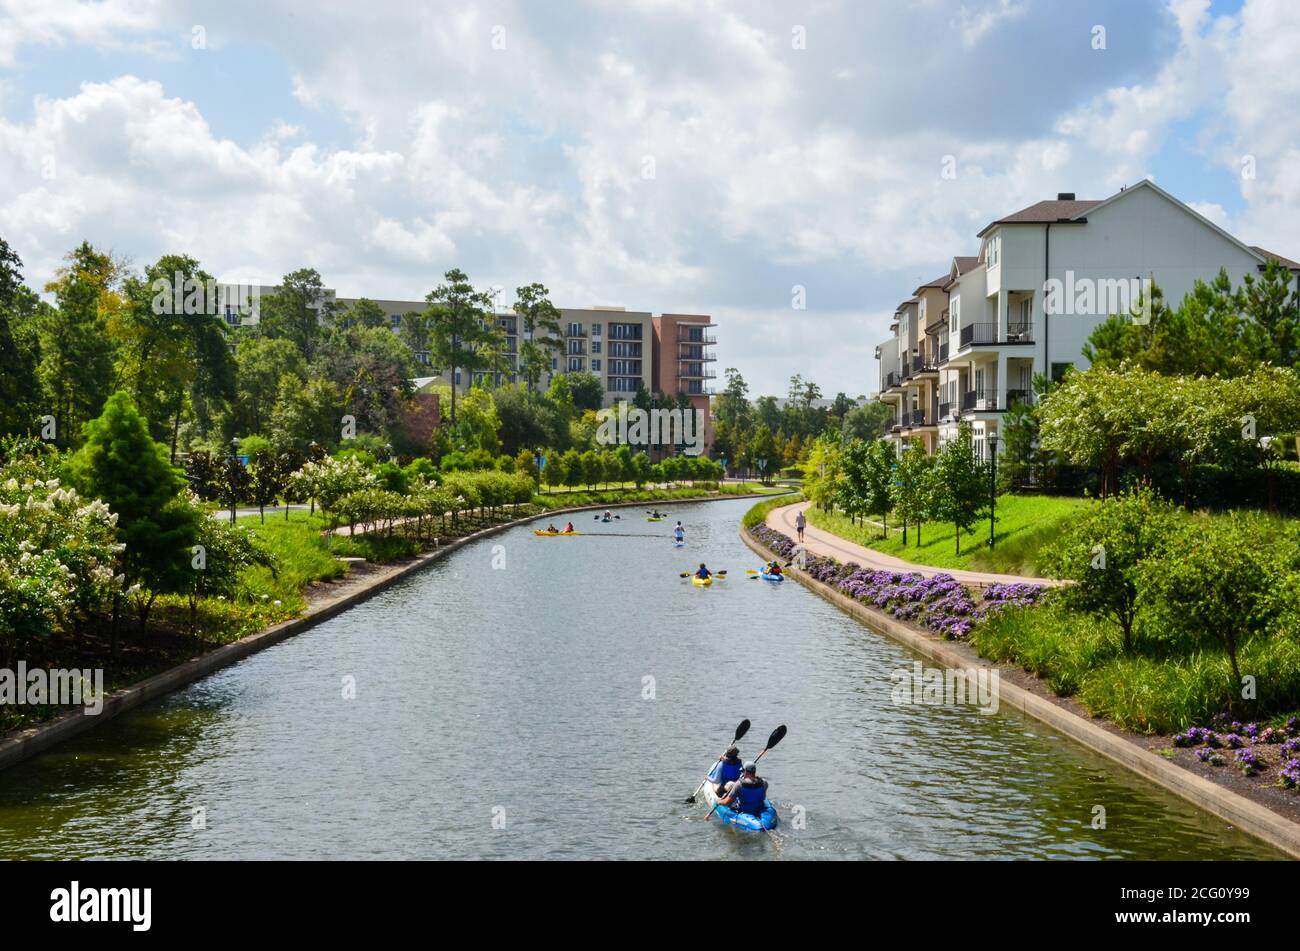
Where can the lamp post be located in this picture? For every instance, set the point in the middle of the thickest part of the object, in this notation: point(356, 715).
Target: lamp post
point(993, 483)
point(234, 461)
point(762, 469)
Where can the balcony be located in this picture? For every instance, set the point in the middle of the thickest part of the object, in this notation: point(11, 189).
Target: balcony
point(983, 334)
point(892, 379)
point(696, 374)
point(945, 411)
point(943, 352)
point(986, 400)
point(575, 332)
point(687, 335)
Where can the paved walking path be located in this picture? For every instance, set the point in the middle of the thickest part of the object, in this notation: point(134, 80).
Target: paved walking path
point(820, 542)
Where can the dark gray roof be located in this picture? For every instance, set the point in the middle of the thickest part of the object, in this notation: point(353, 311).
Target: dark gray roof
point(1042, 212)
point(1285, 262)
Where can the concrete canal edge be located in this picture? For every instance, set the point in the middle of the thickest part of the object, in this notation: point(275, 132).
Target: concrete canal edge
point(28, 743)
point(1237, 810)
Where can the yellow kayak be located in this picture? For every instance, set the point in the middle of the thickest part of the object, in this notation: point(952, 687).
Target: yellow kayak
point(702, 582)
point(538, 531)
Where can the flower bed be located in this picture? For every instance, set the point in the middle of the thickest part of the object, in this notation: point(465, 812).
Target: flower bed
point(1251, 744)
point(940, 603)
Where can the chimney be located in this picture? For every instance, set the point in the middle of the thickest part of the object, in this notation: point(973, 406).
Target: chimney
point(1065, 196)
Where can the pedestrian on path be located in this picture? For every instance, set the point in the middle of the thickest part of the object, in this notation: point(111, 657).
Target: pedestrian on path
point(799, 523)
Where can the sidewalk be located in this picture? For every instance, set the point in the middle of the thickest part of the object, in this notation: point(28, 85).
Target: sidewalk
point(820, 542)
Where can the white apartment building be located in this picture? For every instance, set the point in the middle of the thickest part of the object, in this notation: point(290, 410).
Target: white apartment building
point(967, 346)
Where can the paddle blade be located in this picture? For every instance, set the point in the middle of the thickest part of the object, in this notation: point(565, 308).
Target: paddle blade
point(777, 736)
point(741, 730)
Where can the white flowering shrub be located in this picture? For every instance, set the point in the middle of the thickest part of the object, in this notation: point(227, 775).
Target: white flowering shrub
point(58, 551)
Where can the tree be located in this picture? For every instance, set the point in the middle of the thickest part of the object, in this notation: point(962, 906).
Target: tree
point(541, 332)
point(306, 413)
point(1215, 583)
point(20, 390)
point(961, 484)
point(866, 422)
point(270, 478)
point(462, 325)
point(76, 369)
point(122, 465)
point(172, 348)
point(363, 312)
point(1104, 551)
point(914, 483)
point(260, 364)
point(372, 369)
point(587, 390)
point(296, 311)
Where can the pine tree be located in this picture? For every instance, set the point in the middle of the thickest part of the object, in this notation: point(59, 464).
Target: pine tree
point(122, 465)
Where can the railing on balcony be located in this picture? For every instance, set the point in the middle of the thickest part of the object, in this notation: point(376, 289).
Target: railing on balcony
point(943, 352)
point(1020, 396)
point(907, 368)
point(945, 410)
point(684, 335)
point(893, 378)
point(976, 334)
point(917, 417)
point(925, 364)
point(975, 401)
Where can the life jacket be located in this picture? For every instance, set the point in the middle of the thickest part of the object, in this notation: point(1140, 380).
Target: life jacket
point(726, 771)
point(751, 797)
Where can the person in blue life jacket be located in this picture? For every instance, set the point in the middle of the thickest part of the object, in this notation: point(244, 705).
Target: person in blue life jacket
point(679, 533)
point(727, 770)
point(746, 794)
point(702, 572)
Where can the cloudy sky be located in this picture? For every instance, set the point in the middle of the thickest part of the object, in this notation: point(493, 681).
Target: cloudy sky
point(666, 155)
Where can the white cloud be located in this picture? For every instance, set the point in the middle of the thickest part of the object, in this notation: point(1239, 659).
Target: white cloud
point(770, 165)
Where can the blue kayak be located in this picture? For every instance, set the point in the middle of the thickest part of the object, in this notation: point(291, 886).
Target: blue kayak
point(741, 820)
point(768, 577)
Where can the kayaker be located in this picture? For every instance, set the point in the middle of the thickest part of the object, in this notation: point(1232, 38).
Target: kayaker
point(569, 527)
point(679, 533)
point(552, 528)
point(748, 792)
point(703, 572)
point(773, 568)
point(727, 770)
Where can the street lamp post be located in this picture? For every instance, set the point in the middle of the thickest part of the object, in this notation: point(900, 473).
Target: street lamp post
point(993, 483)
point(234, 461)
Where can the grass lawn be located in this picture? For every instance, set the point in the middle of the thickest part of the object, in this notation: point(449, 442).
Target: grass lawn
point(1024, 524)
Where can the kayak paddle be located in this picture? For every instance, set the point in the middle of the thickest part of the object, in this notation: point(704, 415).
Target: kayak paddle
point(740, 731)
point(716, 574)
point(777, 736)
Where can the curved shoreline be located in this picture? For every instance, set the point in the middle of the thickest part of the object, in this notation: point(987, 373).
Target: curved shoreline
point(24, 744)
point(1248, 816)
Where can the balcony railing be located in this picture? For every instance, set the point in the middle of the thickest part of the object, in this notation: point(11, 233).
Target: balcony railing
point(685, 336)
point(1020, 396)
point(945, 410)
point(943, 352)
point(893, 378)
point(977, 334)
point(917, 417)
point(986, 400)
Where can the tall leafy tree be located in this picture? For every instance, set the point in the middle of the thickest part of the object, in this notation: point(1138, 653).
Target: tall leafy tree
point(462, 325)
point(296, 311)
point(540, 323)
point(20, 391)
point(76, 368)
point(172, 347)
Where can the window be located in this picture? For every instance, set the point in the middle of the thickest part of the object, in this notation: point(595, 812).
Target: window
point(993, 250)
point(1026, 310)
point(595, 344)
point(575, 330)
point(595, 330)
point(595, 366)
point(555, 364)
point(395, 321)
point(575, 364)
